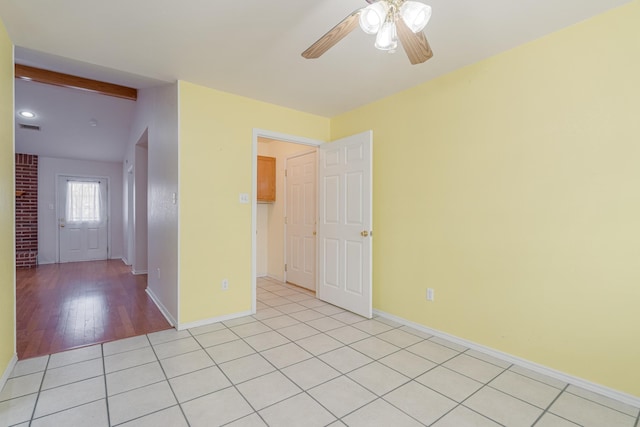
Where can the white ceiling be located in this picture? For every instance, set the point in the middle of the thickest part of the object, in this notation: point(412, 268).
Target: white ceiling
point(64, 115)
point(247, 47)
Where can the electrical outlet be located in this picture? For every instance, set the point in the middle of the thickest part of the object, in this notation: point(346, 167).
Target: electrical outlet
point(430, 294)
point(225, 284)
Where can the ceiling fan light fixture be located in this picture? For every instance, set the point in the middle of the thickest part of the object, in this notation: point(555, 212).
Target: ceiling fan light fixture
point(416, 15)
point(373, 16)
point(393, 22)
point(387, 38)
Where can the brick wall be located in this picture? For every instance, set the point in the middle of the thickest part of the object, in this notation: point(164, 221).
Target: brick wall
point(26, 211)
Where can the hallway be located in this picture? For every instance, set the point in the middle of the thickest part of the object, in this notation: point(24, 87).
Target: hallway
point(64, 306)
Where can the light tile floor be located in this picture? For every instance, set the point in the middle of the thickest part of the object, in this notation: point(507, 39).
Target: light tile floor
point(297, 362)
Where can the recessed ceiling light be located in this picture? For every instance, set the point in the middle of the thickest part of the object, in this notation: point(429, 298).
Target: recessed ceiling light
point(27, 114)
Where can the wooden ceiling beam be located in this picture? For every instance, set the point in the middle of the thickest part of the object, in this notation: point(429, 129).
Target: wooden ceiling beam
point(24, 72)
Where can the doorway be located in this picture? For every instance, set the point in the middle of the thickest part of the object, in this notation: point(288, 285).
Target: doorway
point(285, 243)
point(272, 262)
point(138, 210)
point(344, 220)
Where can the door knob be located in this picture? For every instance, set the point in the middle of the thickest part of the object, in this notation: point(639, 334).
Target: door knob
point(61, 225)
point(314, 233)
point(364, 233)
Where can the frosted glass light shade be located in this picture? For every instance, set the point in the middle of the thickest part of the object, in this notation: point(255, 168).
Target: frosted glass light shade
point(387, 38)
point(372, 17)
point(415, 14)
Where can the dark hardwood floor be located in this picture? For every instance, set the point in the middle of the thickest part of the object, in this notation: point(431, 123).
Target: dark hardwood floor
point(63, 306)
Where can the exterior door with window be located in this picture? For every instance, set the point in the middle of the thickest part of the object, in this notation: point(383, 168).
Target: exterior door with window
point(82, 219)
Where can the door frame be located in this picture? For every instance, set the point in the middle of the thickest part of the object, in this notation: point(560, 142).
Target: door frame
point(254, 188)
point(300, 154)
point(57, 210)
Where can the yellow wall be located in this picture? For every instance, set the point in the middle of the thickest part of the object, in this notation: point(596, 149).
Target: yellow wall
point(7, 201)
point(215, 166)
point(512, 187)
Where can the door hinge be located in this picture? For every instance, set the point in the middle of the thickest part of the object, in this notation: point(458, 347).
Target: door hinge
point(285, 220)
point(285, 172)
point(285, 268)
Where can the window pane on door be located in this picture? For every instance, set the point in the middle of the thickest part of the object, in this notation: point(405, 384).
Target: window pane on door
point(83, 202)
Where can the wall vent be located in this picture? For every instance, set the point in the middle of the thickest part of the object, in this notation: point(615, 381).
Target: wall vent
point(29, 127)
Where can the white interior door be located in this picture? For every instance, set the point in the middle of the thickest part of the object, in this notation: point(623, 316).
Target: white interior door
point(345, 220)
point(82, 219)
point(301, 220)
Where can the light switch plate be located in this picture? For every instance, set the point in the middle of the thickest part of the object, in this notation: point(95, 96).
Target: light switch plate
point(244, 198)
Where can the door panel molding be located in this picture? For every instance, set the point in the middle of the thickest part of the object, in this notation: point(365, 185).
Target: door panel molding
point(345, 220)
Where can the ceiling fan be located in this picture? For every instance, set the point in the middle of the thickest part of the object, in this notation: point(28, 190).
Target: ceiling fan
point(390, 20)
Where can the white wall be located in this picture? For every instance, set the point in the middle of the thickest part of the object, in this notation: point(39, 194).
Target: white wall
point(262, 239)
point(127, 215)
point(140, 190)
point(48, 169)
point(157, 113)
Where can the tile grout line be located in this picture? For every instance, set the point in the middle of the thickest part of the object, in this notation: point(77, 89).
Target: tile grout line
point(546, 410)
point(231, 382)
point(441, 365)
point(168, 383)
point(428, 370)
point(486, 384)
point(373, 360)
point(35, 405)
point(345, 374)
point(313, 356)
point(504, 369)
point(106, 391)
point(600, 403)
point(402, 410)
point(459, 352)
point(143, 386)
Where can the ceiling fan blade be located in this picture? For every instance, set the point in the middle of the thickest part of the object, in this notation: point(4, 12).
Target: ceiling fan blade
point(334, 35)
point(415, 45)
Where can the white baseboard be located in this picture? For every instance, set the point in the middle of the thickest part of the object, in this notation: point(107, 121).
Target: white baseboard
point(8, 370)
point(206, 322)
point(138, 272)
point(173, 322)
point(541, 369)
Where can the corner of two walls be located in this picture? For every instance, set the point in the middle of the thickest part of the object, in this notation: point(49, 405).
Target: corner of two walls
point(510, 187)
point(156, 114)
point(7, 209)
point(509, 194)
point(216, 137)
